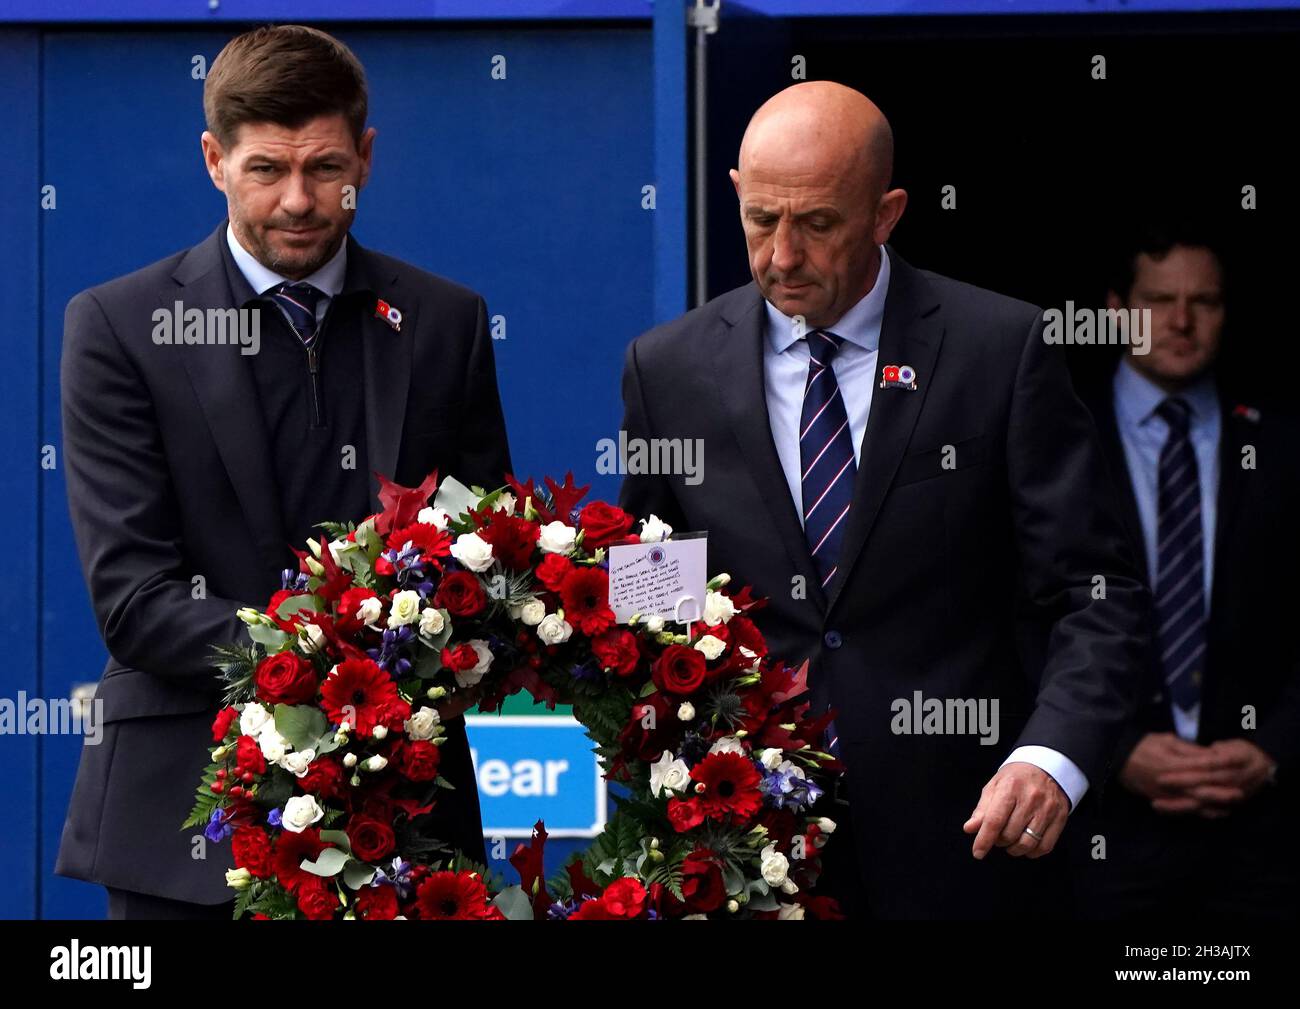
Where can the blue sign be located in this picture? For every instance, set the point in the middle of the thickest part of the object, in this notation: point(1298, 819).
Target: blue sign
point(536, 767)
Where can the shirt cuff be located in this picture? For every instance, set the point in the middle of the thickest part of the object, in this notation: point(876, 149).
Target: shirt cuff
point(1064, 771)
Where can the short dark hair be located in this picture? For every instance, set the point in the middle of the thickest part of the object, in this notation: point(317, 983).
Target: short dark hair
point(283, 74)
point(1155, 238)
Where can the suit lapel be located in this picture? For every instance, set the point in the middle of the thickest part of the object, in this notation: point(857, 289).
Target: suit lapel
point(386, 359)
point(911, 333)
point(227, 393)
point(1103, 415)
point(739, 380)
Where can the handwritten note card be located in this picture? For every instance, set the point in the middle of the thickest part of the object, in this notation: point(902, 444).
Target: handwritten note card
point(659, 579)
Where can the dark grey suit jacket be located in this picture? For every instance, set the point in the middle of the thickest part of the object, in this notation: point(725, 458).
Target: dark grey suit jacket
point(169, 475)
point(969, 582)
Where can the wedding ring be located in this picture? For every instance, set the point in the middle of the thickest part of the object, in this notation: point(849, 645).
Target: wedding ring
point(1033, 833)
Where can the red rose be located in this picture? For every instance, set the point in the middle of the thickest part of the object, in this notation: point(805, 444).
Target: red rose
point(586, 600)
point(377, 903)
point(513, 540)
point(252, 850)
point(459, 658)
point(324, 779)
point(617, 651)
point(285, 678)
point(553, 570)
point(679, 670)
point(248, 756)
point(461, 594)
point(221, 724)
point(419, 760)
point(316, 900)
point(702, 884)
point(646, 732)
point(371, 839)
point(603, 524)
point(684, 814)
point(348, 622)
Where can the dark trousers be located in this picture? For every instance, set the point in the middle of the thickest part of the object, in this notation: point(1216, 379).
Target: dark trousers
point(125, 905)
point(840, 876)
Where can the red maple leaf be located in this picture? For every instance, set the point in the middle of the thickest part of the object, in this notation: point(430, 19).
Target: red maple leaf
point(402, 504)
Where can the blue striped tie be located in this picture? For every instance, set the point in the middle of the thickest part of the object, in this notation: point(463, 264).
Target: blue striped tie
point(826, 456)
point(299, 303)
point(1180, 560)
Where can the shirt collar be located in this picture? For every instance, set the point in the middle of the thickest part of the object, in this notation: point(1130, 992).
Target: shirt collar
point(1136, 396)
point(860, 325)
point(329, 278)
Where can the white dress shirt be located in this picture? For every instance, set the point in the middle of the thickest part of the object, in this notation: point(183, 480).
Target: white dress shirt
point(328, 279)
point(785, 373)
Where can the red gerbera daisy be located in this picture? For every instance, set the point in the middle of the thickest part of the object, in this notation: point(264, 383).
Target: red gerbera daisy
point(431, 541)
point(730, 786)
point(452, 896)
point(290, 850)
point(586, 600)
point(359, 692)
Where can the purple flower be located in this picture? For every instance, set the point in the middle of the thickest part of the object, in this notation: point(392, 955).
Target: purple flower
point(219, 828)
point(273, 818)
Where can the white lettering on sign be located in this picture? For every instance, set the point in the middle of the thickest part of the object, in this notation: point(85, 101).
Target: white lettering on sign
point(523, 778)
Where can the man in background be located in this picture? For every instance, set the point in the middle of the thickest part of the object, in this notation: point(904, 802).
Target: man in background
point(1201, 818)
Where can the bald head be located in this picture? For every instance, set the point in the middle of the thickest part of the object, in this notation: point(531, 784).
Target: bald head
point(813, 177)
point(820, 128)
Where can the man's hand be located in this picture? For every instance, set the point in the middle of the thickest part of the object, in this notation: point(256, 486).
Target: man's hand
point(1181, 777)
point(1020, 795)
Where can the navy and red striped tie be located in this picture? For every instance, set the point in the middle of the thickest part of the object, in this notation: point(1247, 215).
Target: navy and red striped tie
point(826, 456)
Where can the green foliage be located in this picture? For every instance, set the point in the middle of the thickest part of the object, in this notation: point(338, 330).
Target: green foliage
point(236, 663)
point(205, 800)
point(613, 854)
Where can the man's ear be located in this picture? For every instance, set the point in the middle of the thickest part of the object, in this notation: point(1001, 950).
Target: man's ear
point(213, 159)
point(366, 150)
point(735, 181)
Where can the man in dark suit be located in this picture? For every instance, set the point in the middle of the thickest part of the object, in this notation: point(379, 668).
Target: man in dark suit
point(1202, 817)
point(194, 463)
point(897, 462)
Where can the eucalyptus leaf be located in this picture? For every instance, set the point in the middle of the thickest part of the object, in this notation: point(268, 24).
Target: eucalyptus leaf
point(455, 497)
point(300, 724)
point(338, 837)
point(271, 638)
point(514, 904)
point(357, 875)
point(328, 863)
point(303, 601)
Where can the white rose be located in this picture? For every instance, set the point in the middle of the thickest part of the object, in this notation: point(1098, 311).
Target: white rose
point(505, 503)
point(375, 763)
point(532, 612)
point(436, 517)
point(300, 812)
point(369, 610)
point(405, 608)
point(297, 763)
point(770, 758)
point(773, 866)
point(790, 912)
point(473, 552)
point(686, 712)
point(554, 629)
point(669, 772)
point(311, 639)
point(432, 622)
point(423, 724)
point(469, 677)
point(655, 529)
point(728, 744)
point(380, 732)
point(711, 647)
point(253, 719)
point(718, 609)
point(654, 624)
point(273, 745)
point(557, 538)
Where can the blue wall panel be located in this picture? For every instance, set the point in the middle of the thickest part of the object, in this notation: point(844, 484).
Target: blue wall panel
point(527, 189)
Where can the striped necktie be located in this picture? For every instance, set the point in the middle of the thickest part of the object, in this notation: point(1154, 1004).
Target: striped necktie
point(1180, 560)
point(298, 302)
point(826, 456)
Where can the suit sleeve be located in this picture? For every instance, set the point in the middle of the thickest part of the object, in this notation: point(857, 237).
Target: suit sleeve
point(1077, 566)
point(643, 494)
point(125, 515)
point(483, 449)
